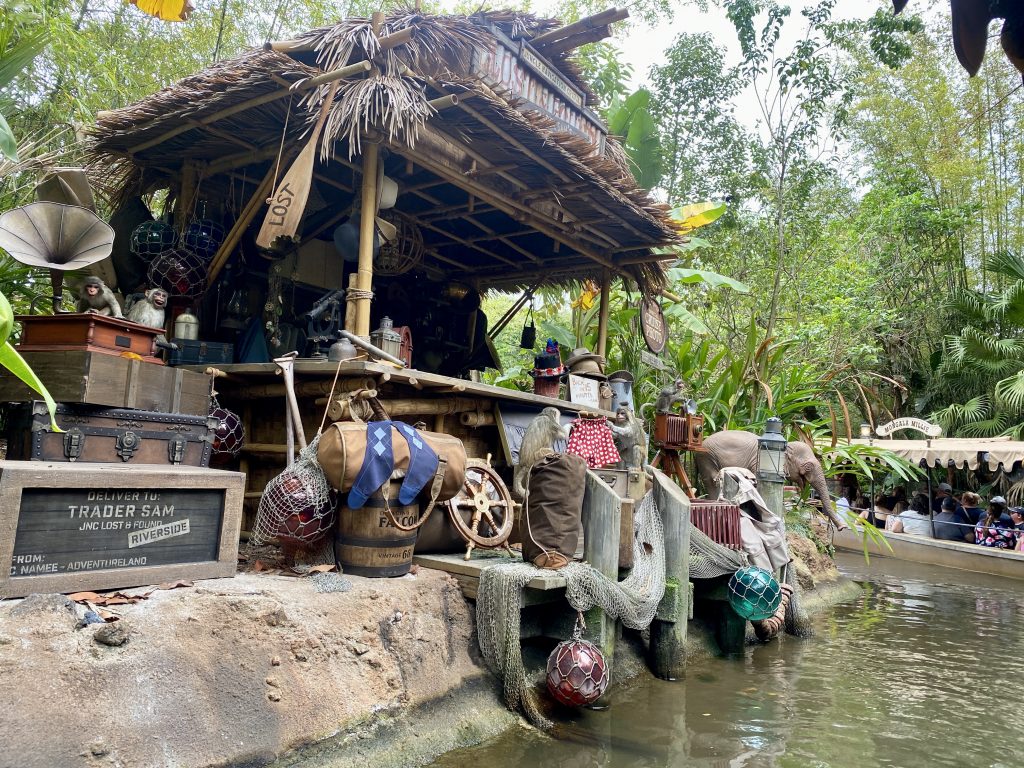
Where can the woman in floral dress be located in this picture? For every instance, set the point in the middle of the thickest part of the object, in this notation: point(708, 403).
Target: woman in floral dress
point(995, 529)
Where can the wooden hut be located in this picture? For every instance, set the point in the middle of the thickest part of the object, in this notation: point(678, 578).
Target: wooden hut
point(506, 179)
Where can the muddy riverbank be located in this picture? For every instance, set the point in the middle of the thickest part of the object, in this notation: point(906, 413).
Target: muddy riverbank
point(263, 669)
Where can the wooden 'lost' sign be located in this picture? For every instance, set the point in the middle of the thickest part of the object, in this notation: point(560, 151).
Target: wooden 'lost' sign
point(66, 528)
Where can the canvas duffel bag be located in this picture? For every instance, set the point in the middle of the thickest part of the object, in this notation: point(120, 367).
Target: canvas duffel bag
point(343, 446)
point(554, 510)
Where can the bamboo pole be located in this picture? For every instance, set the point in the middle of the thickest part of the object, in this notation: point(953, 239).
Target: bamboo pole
point(186, 194)
point(368, 213)
point(304, 85)
point(602, 316)
point(601, 19)
point(575, 41)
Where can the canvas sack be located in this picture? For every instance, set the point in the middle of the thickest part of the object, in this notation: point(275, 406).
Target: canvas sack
point(554, 510)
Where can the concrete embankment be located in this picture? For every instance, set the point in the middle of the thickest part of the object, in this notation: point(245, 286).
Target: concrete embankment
point(263, 670)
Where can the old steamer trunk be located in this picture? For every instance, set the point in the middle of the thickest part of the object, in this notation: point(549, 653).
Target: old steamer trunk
point(123, 435)
point(367, 544)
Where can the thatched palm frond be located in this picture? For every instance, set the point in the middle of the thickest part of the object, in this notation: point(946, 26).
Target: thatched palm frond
point(396, 106)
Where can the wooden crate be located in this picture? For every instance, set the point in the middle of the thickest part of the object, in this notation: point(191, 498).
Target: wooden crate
point(75, 527)
point(77, 376)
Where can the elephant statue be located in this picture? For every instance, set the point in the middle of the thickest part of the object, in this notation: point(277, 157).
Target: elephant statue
point(736, 448)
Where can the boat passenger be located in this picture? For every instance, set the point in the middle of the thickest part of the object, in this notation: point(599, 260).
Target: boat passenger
point(953, 524)
point(971, 507)
point(944, 491)
point(996, 529)
point(1017, 516)
point(916, 520)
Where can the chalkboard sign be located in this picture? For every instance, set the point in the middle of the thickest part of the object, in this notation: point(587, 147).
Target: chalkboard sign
point(72, 527)
point(513, 419)
point(69, 530)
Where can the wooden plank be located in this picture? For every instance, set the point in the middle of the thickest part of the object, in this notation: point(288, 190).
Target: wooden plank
point(668, 632)
point(455, 565)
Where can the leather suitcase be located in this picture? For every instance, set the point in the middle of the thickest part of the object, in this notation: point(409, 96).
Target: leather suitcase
point(123, 435)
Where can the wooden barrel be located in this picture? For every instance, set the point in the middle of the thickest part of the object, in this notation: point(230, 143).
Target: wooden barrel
point(367, 544)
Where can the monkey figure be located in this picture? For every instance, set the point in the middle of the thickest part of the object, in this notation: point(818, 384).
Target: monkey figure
point(150, 310)
point(670, 396)
point(630, 439)
point(94, 296)
point(538, 442)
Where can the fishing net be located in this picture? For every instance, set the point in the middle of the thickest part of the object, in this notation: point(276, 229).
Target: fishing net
point(298, 505)
point(632, 601)
point(709, 559)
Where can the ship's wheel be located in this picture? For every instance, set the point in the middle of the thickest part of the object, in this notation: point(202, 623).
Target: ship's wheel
point(485, 495)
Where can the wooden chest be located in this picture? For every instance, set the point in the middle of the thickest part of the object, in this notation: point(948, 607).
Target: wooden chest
point(100, 379)
point(88, 332)
point(123, 435)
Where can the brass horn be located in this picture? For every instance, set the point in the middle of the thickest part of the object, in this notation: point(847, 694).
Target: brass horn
point(55, 237)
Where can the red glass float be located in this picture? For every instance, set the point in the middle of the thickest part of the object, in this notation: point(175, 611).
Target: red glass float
point(180, 272)
point(577, 672)
point(306, 521)
point(228, 435)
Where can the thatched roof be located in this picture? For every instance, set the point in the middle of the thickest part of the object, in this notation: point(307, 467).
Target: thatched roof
point(502, 193)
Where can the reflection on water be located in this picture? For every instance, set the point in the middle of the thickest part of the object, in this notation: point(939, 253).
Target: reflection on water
point(924, 669)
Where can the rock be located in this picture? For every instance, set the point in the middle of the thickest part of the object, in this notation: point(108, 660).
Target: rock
point(275, 618)
point(272, 682)
point(359, 648)
point(274, 696)
point(276, 661)
point(46, 612)
point(112, 634)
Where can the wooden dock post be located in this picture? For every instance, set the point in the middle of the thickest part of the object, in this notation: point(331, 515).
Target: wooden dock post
point(668, 630)
point(602, 509)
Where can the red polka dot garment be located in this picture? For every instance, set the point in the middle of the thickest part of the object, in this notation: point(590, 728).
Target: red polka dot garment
point(591, 440)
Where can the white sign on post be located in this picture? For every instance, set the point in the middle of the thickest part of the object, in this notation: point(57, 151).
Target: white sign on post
point(584, 391)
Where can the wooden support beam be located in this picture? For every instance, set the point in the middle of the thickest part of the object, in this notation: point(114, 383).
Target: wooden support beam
point(304, 85)
point(668, 630)
point(509, 206)
point(368, 214)
point(602, 316)
point(456, 239)
point(226, 135)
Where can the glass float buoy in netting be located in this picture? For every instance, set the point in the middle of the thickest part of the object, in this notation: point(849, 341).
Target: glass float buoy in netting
point(151, 238)
point(577, 673)
point(754, 593)
point(228, 435)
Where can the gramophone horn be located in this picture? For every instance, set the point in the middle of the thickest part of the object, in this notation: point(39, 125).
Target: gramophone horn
point(55, 236)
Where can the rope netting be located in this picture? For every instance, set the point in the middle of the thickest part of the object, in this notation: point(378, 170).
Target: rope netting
point(297, 505)
point(633, 601)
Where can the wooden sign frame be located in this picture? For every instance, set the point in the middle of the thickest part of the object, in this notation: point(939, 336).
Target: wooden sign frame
point(139, 480)
point(653, 325)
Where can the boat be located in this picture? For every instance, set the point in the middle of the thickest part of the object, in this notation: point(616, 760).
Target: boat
point(948, 554)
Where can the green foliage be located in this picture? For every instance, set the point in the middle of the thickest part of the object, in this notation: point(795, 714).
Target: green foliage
point(631, 120)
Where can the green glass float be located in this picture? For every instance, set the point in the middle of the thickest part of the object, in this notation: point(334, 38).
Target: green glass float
point(754, 593)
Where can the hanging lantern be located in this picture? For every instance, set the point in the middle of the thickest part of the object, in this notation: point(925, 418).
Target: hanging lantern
point(771, 452)
point(151, 238)
point(229, 434)
point(387, 338)
point(180, 272)
point(307, 520)
point(754, 593)
point(577, 672)
point(203, 237)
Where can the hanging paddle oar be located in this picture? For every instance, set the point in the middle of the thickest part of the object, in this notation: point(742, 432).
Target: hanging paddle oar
point(288, 202)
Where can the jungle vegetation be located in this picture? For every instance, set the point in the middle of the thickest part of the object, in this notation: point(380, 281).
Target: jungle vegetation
point(873, 238)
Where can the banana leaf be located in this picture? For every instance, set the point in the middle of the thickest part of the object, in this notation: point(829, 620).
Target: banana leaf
point(15, 363)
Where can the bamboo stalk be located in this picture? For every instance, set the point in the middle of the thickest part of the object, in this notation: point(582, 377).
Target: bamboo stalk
point(368, 213)
point(305, 85)
point(601, 19)
point(575, 41)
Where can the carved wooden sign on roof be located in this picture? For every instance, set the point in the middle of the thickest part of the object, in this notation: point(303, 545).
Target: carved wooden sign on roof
point(518, 69)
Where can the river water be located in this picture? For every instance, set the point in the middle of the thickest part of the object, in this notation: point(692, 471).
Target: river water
point(925, 668)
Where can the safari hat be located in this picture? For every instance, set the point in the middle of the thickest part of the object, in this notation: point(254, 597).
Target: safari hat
point(583, 362)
